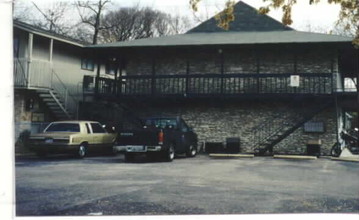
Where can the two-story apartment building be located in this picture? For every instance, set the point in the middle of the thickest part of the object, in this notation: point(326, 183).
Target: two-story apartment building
point(271, 86)
point(48, 75)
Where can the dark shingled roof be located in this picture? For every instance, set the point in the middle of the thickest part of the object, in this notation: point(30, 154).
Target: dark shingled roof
point(229, 38)
point(248, 28)
point(246, 19)
point(37, 30)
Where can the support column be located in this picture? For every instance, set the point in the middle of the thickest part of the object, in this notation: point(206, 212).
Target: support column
point(258, 66)
point(97, 77)
point(153, 81)
point(51, 49)
point(187, 77)
point(29, 60)
point(220, 51)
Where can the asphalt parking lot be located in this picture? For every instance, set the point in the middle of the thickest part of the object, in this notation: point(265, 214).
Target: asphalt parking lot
point(106, 185)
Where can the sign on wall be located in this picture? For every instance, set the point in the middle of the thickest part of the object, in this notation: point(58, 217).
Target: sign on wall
point(294, 80)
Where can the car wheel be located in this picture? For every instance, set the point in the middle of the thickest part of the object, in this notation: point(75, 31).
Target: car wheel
point(170, 153)
point(82, 151)
point(191, 151)
point(129, 157)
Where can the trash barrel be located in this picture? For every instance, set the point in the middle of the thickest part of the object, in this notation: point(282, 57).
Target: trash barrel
point(233, 145)
point(214, 147)
point(313, 147)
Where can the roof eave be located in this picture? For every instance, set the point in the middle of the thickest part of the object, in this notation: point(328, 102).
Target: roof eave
point(48, 35)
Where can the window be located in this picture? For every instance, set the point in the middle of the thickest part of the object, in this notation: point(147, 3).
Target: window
point(111, 68)
point(314, 127)
point(97, 128)
point(161, 123)
point(63, 127)
point(87, 64)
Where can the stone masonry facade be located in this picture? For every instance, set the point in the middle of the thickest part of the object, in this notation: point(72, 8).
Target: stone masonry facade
point(215, 120)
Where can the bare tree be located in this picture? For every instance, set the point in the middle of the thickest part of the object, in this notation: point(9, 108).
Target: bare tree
point(21, 11)
point(179, 24)
point(135, 23)
point(91, 13)
point(120, 24)
point(53, 17)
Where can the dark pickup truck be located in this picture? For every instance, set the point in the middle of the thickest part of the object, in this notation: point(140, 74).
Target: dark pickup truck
point(161, 136)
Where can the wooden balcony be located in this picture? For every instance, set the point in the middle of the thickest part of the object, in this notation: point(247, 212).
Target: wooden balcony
point(209, 85)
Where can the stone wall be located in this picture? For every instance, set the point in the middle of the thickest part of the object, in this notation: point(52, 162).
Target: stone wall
point(214, 121)
point(28, 120)
point(297, 141)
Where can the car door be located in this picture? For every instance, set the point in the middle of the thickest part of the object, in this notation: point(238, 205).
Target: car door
point(98, 136)
point(186, 135)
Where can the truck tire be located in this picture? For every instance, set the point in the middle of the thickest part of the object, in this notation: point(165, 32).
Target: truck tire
point(129, 157)
point(191, 151)
point(82, 151)
point(169, 153)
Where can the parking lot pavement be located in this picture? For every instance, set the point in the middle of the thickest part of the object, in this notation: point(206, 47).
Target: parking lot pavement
point(106, 185)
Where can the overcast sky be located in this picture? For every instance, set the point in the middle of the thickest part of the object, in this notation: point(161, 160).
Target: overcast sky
point(320, 17)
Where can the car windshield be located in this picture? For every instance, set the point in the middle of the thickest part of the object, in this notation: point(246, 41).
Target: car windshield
point(161, 123)
point(63, 127)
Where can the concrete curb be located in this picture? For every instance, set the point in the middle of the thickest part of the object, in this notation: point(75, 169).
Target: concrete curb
point(349, 159)
point(232, 155)
point(298, 157)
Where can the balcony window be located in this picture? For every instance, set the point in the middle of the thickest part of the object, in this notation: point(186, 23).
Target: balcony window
point(87, 64)
point(111, 68)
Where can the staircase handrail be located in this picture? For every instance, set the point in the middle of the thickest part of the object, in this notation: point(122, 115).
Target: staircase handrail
point(267, 130)
point(69, 99)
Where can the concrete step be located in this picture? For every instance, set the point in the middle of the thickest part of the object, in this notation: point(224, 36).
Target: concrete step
point(298, 157)
point(231, 155)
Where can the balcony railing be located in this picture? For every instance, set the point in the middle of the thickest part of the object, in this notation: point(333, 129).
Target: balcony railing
point(211, 84)
point(39, 74)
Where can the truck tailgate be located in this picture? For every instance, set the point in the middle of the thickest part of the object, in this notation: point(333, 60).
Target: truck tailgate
point(146, 137)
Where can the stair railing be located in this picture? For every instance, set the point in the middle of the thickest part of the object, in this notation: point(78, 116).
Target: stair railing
point(278, 127)
point(63, 93)
point(20, 67)
point(42, 75)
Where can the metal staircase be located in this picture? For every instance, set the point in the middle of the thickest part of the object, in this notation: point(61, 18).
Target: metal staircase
point(39, 76)
point(274, 130)
point(55, 104)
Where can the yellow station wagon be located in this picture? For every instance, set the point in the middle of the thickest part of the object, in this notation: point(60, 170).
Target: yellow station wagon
point(75, 137)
